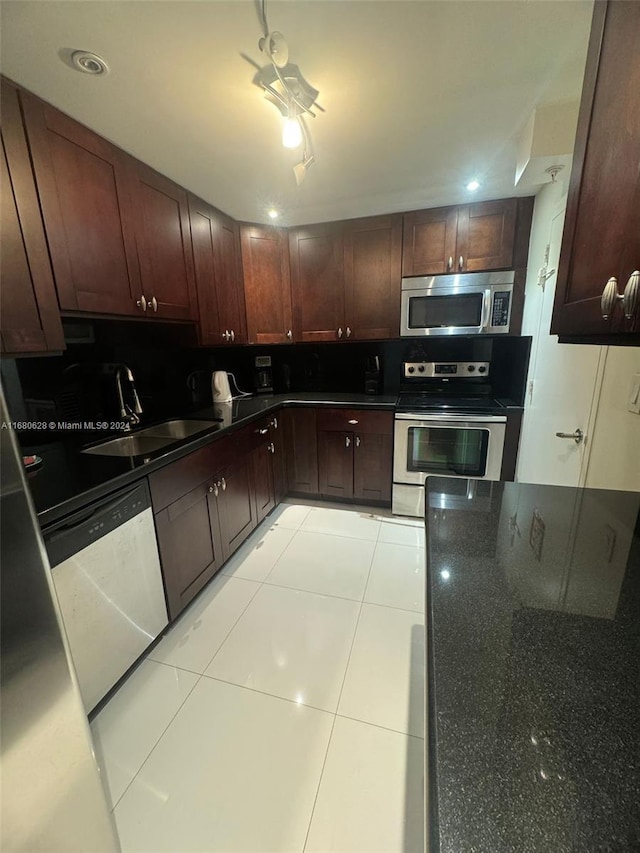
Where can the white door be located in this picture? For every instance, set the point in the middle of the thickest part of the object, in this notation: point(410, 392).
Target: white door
point(562, 383)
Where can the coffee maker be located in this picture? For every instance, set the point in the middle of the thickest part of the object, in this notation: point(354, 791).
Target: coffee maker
point(263, 376)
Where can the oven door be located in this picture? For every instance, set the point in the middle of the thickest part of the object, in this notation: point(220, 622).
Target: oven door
point(450, 445)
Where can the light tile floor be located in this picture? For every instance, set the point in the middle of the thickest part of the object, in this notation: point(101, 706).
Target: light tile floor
point(284, 711)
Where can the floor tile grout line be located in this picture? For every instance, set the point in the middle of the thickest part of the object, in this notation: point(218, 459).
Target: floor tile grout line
point(153, 748)
point(378, 726)
point(266, 693)
point(315, 799)
point(312, 592)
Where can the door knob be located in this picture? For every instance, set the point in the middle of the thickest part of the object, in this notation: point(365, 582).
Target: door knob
point(577, 436)
point(609, 298)
point(142, 303)
point(631, 294)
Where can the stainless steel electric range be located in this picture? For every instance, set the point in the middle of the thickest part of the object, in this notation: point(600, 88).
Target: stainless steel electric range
point(447, 422)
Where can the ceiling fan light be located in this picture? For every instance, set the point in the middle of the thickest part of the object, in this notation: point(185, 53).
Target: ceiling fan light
point(300, 169)
point(291, 133)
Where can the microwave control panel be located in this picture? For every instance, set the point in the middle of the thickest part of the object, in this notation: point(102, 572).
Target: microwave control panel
point(500, 309)
point(445, 369)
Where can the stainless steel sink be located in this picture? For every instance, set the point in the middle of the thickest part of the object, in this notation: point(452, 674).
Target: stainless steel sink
point(152, 438)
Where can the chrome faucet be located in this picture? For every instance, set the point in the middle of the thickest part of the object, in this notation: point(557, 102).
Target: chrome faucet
point(131, 416)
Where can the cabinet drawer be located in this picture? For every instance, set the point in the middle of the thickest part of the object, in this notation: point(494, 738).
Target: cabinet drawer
point(174, 481)
point(355, 420)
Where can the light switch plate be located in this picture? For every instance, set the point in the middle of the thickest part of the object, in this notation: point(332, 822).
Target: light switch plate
point(634, 395)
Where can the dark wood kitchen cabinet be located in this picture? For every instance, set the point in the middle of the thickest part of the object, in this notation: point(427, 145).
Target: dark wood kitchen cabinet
point(218, 271)
point(464, 238)
point(267, 287)
point(355, 453)
point(163, 241)
point(259, 436)
point(29, 314)
point(301, 450)
point(204, 510)
point(601, 239)
point(372, 277)
point(85, 194)
point(317, 282)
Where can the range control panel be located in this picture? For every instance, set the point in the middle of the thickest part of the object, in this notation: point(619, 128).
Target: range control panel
point(444, 369)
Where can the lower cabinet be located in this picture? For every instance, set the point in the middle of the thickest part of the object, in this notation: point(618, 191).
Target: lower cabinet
point(301, 450)
point(200, 526)
point(262, 468)
point(355, 454)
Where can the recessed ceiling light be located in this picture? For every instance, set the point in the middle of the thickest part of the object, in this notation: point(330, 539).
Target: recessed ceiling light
point(89, 63)
point(473, 185)
point(273, 213)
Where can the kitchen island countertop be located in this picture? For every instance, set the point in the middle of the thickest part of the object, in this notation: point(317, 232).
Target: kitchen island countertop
point(533, 604)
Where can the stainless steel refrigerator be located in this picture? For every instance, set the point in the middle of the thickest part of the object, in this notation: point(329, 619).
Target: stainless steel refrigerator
point(51, 799)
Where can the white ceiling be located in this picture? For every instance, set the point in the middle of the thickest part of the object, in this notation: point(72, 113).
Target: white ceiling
point(420, 96)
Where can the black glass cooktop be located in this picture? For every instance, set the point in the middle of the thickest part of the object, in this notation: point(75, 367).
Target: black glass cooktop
point(446, 403)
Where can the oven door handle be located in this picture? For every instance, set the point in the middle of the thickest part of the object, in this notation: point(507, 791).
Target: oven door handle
point(445, 420)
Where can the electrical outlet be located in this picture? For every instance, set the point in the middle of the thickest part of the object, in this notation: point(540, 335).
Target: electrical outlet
point(634, 395)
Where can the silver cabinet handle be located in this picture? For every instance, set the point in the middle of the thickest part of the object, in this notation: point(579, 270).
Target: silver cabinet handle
point(214, 489)
point(223, 483)
point(271, 448)
point(211, 488)
point(631, 294)
point(261, 431)
point(352, 421)
point(348, 332)
point(460, 262)
point(340, 332)
point(142, 303)
point(577, 436)
point(450, 263)
point(233, 335)
point(347, 441)
point(609, 298)
point(357, 441)
point(290, 335)
point(274, 423)
point(225, 335)
point(154, 303)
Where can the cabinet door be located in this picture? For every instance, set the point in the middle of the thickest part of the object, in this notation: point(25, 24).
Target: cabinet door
point(228, 267)
point(372, 277)
point(89, 220)
point(486, 234)
point(261, 460)
point(235, 503)
point(317, 283)
point(601, 236)
point(29, 315)
point(205, 228)
point(429, 241)
point(301, 450)
point(190, 546)
point(372, 466)
point(267, 289)
point(278, 458)
point(164, 244)
point(335, 463)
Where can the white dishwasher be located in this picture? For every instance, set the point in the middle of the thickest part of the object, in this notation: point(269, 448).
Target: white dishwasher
point(106, 572)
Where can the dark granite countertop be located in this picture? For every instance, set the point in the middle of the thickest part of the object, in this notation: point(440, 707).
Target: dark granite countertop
point(68, 479)
point(533, 603)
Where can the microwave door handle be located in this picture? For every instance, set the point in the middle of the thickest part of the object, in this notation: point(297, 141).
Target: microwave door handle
point(486, 309)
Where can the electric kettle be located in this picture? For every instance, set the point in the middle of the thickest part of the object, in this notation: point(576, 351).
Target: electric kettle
point(220, 388)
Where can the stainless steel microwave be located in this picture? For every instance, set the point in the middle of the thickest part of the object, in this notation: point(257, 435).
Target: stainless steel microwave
point(471, 304)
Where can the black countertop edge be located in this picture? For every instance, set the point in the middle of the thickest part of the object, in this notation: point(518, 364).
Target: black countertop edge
point(243, 411)
point(431, 781)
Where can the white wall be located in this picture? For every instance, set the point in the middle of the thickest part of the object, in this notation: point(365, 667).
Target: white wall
point(614, 460)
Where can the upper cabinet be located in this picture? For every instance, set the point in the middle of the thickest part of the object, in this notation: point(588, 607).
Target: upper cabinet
point(29, 315)
point(163, 241)
point(84, 189)
point(267, 289)
point(372, 277)
point(345, 279)
point(465, 238)
point(218, 272)
point(600, 254)
point(317, 282)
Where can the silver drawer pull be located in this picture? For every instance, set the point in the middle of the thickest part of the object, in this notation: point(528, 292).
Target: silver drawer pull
point(223, 483)
point(154, 303)
point(577, 436)
point(233, 335)
point(340, 332)
point(271, 448)
point(347, 441)
point(352, 421)
point(348, 332)
point(460, 262)
point(450, 263)
point(609, 298)
point(274, 423)
point(631, 294)
point(142, 303)
point(290, 335)
point(357, 441)
point(214, 489)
